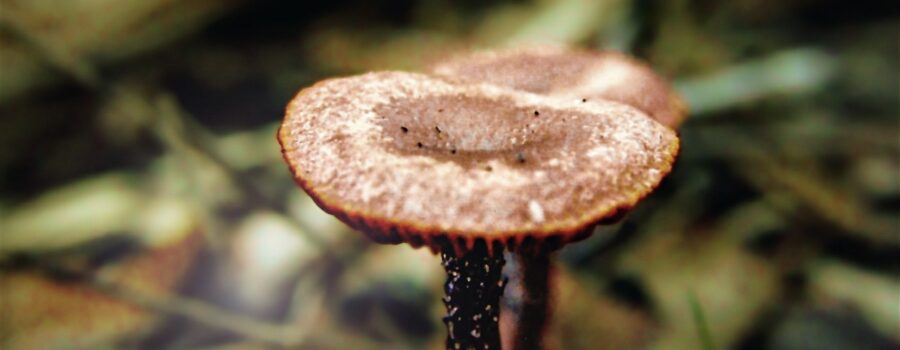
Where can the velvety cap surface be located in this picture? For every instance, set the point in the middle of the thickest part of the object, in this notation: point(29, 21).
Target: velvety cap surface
point(407, 157)
point(571, 73)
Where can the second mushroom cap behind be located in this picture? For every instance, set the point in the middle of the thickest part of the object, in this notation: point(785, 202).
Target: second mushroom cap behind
point(571, 73)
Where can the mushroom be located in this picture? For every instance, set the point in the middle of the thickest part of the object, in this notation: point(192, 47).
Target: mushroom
point(495, 176)
point(571, 73)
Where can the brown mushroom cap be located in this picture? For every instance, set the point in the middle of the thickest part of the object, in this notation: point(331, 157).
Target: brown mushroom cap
point(409, 158)
point(578, 74)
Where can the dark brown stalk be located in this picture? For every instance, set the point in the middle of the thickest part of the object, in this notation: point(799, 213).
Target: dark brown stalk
point(472, 296)
point(529, 299)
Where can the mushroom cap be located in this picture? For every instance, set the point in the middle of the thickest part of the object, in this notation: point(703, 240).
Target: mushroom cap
point(572, 73)
point(406, 157)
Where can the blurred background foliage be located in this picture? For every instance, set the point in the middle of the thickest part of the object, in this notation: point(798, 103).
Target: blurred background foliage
point(144, 202)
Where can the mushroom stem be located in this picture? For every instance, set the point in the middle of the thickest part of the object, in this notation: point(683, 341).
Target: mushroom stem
point(531, 276)
point(472, 297)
